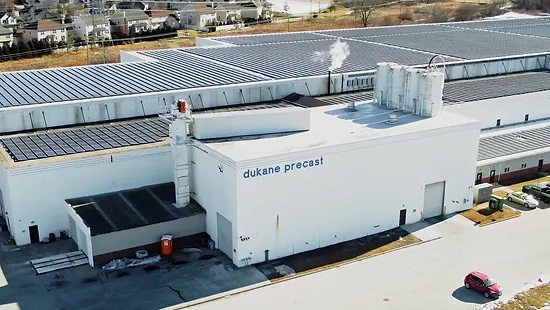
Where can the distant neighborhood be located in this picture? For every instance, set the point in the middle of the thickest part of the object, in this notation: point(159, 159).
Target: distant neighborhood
point(34, 25)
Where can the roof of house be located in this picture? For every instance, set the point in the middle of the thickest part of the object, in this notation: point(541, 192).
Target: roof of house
point(130, 15)
point(45, 25)
point(158, 13)
point(131, 5)
point(93, 19)
point(5, 31)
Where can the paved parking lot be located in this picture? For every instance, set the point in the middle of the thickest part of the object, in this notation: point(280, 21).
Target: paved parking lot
point(87, 288)
point(428, 276)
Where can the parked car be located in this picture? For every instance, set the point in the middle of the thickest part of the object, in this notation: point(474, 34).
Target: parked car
point(482, 283)
point(541, 193)
point(524, 199)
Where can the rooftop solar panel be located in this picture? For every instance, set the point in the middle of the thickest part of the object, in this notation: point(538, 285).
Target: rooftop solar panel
point(288, 60)
point(270, 38)
point(494, 87)
point(498, 24)
point(87, 139)
point(513, 143)
point(468, 44)
point(382, 31)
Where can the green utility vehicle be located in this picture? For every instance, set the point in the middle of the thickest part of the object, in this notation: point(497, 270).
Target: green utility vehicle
point(537, 192)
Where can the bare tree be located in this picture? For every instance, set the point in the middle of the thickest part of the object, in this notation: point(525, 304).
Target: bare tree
point(365, 8)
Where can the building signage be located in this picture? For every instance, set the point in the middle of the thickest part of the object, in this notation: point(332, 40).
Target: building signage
point(285, 168)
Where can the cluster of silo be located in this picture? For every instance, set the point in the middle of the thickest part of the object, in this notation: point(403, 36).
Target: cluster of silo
point(412, 90)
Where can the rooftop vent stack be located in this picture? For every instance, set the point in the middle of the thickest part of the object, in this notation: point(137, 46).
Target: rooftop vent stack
point(397, 86)
point(432, 87)
point(179, 143)
point(381, 82)
point(392, 119)
point(328, 83)
point(412, 89)
point(351, 106)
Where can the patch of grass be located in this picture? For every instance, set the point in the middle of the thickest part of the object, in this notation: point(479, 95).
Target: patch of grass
point(517, 187)
point(483, 215)
point(535, 298)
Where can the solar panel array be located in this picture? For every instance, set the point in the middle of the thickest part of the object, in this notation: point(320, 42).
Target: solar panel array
point(346, 98)
point(513, 143)
point(86, 139)
point(500, 24)
point(494, 87)
point(384, 31)
point(57, 85)
point(468, 44)
point(248, 107)
point(271, 38)
point(293, 59)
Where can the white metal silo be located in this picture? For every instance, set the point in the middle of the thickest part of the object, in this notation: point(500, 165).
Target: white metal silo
point(412, 89)
point(397, 86)
point(381, 83)
point(432, 98)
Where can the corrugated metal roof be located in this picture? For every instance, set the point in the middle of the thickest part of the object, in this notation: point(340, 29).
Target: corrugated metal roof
point(495, 87)
point(513, 143)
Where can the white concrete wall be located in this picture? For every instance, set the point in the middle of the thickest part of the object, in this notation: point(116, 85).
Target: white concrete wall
point(358, 190)
point(215, 191)
point(5, 192)
point(83, 236)
point(145, 235)
point(510, 110)
point(38, 193)
point(94, 110)
point(255, 122)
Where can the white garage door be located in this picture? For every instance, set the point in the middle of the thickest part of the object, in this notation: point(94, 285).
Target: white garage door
point(433, 199)
point(225, 236)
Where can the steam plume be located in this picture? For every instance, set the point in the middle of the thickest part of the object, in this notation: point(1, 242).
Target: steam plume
point(338, 52)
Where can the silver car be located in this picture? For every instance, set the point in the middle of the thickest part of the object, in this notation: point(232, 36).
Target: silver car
point(524, 199)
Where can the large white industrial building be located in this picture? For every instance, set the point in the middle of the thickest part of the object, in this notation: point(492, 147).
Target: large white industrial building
point(273, 155)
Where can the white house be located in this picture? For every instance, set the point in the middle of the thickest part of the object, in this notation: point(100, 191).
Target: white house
point(46, 29)
point(97, 26)
point(8, 20)
point(198, 16)
point(130, 21)
point(6, 36)
point(158, 18)
point(228, 13)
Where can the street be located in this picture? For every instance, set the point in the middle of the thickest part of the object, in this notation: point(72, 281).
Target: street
point(427, 276)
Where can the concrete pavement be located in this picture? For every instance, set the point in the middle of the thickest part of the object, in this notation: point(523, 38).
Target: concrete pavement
point(428, 276)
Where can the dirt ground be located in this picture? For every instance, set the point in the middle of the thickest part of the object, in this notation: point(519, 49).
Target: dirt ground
point(328, 257)
point(482, 215)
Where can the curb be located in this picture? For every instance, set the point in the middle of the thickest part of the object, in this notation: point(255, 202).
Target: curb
point(287, 278)
point(500, 220)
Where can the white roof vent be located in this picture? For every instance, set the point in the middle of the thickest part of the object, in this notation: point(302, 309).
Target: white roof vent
point(392, 119)
point(351, 106)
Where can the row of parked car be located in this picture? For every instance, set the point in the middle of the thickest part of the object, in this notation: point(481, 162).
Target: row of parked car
point(530, 195)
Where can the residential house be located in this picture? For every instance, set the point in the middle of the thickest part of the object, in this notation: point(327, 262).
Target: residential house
point(254, 10)
point(46, 29)
point(158, 18)
point(228, 13)
point(8, 19)
point(172, 22)
point(198, 16)
point(95, 26)
point(130, 21)
point(6, 36)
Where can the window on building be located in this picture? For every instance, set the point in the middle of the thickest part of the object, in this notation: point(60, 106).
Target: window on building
point(507, 169)
point(62, 38)
point(55, 31)
point(524, 165)
point(526, 117)
point(498, 122)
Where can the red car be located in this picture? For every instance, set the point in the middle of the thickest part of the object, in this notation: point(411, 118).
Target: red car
point(483, 284)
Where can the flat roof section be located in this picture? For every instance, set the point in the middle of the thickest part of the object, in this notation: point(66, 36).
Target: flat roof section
point(333, 125)
point(77, 140)
point(270, 38)
point(495, 87)
point(513, 143)
point(129, 209)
